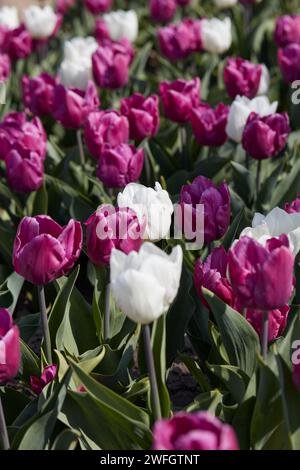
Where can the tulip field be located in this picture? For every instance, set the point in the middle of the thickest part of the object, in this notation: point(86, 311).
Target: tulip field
point(150, 225)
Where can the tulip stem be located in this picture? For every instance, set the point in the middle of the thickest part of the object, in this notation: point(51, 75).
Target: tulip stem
point(265, 335)
point(152, 373)
point(258, 172)
point(44, 318)
point(3, 428)
point(80, 148)
point(107, 313)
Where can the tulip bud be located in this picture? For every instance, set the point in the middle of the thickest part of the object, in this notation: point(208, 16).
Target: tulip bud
point(216, 35)
point(177, 41)
point(287, 30)
point(277, 321)
point(179, 98)
point(105, 127)
point(24, 172)
point(39, 383)
point(142, 114)
point(111, 65)
point(40, 21)
point(43, 250)
point(289, 62)
point(265, 137)
point(145, 284)
point(162, 10)
point(122, 25)
point(63, 6)
point(120, 165)
point(10, 355)
point(98, 6)
point(242, 77)
point(209, 124)
point(38, 93)
point(18, 43)
point(110, 228)
point(9, 17)
point(193, 431)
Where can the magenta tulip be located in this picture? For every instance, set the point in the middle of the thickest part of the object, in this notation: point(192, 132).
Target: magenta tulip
point(262, 277)
point(242, 77)
point(178, 41)
point(105, 127)
point(162, 10)
point(209, 125)
point(287, 30)
point(98, 6)
point(289, 62)
point(179, 98)
point(5, 67)
point(24, 171)
point(43, 250)
point(142, 114)
point(38, 93)
point(10, 354)
point(277, 321)
point(63, 6)
point(120, 165)
point(18, 43)
point(183, 3)
point(216, 203)
point(193, 431)
point(110, 228)
point(293, 207)
point(265, 137)
point(72, 106)
point(111, 65)
point(37, 384)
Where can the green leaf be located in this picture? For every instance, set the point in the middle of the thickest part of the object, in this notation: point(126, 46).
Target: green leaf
point(232, 378)
point(66, 440)
point(196, 372)
point(233, 230)
point(30, 362)
point(244, 182)
point(39, 203)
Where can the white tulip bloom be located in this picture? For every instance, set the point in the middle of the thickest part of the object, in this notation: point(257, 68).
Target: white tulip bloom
point(240, 110)
point(216, 35)
point(276, 223)
point(145, 284)
point(40, 21)
point(264, 83)
point(151, 205)
point(76, 68)
point(9, 17)
point(122, 24)
point(225, 3)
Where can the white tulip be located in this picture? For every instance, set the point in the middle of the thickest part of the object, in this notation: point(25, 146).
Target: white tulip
point(76, 68)
point(240, 110)
point(264, 83)
point(276, 223)
point(9, 17)
point(144, 284)
point(152, 206)
point(225, 3)
point(40, 21)
point(122, 24)
point(216, 35)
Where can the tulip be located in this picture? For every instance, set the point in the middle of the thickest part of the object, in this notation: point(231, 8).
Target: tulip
point(9, 347)
point(209, 124)
point(5, 67)
point(37, 384)
point(216, 202)
point(177, 41)
point(76, 68)
point(105, 127)
point(242, 77)
point(43, 250)
point(38, 93)
point(296, 376)
point(216, 35)
point(277, 321)
point(9, 17)
point(262, 276)
point(18, 43)
point(111, 65)
point(193, 431)
point(289, 62)
point(225, 3)
point(287, 30)
point(142, 114)
point(121, 165)
point(183, 3)
point(265, 137)
point(162, 10)
point(179, 98)
point(293, 207)
point(24, 172)
point(63, 6)
point(122, 24)
point(101, 31)
point(241, 109)
point(72, 106)
point(110, 228)
point(277, 223)
point(40, 21)
point(98, 6)
point(152, 205)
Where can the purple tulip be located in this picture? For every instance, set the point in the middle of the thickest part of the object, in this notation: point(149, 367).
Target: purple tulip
point(72, 106)
point(162, 10)
point(111, 65)
point(38, 93)
point(178, 41)
point(24, 171)
point(211, 274)
point(179, 98)
point(216, 203)
point(277, 321)
point(120, 165)
point(242, 77)
point(287, 30)
point(289, 62)
point(209, 125)
point(265, 137)
point(43, 250)
point(110, 228)
point(5, 67)
point(193, 431)
point(293, 207)
point(10, 354)
point(262, 277)
point(18, 43)
point(105, 127)
point(37, 384)
point(63, 6)
point(142, 114)
point(98, 6)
